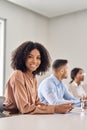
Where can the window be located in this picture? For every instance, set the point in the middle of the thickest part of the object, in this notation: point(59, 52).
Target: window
point(2, 50)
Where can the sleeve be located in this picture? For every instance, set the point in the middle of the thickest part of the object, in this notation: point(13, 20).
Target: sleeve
point(70, 97)
point(20, 95)
point(21, 98)
point(67, 94)
point(48, 93)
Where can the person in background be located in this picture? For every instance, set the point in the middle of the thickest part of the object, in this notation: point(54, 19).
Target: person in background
point(76, 86)
point(28, 60)
point(52, 90)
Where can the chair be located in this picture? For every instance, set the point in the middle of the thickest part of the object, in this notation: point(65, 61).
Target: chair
point(2, 98)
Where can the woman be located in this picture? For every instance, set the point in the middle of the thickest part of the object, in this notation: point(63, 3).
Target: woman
point(76, 87)
point(28, 60)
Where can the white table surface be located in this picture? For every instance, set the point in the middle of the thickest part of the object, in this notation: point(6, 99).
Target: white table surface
point(75, 120)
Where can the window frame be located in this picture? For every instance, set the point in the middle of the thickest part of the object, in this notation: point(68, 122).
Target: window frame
point(3, 50)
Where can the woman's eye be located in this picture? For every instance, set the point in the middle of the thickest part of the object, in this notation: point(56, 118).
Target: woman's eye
point(29, 56)
point(39, 58)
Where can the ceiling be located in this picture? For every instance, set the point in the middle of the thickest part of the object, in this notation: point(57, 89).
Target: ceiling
point(52, 8)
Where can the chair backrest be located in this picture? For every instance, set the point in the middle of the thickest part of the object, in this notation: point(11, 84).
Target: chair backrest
point(2, 98)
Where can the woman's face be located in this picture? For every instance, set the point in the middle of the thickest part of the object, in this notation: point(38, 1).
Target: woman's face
point(33, 60)
point(80, 75)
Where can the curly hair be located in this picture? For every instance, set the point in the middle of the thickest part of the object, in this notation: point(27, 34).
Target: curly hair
point(19, 56)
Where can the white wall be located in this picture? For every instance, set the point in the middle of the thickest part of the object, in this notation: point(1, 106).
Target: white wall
point(21, 25)
point(65, 36)
point(68, 39)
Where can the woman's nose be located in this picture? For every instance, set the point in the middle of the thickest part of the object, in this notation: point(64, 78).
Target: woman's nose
point(34, 60)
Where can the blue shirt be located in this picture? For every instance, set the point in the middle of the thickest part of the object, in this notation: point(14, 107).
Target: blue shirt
point(52, 91)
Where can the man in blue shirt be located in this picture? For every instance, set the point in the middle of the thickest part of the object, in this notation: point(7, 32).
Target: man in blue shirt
point(52, 90)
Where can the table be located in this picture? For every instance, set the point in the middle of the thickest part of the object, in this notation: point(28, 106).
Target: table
point(75, 120)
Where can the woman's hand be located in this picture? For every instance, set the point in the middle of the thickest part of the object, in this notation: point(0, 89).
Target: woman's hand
point(63, 108)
